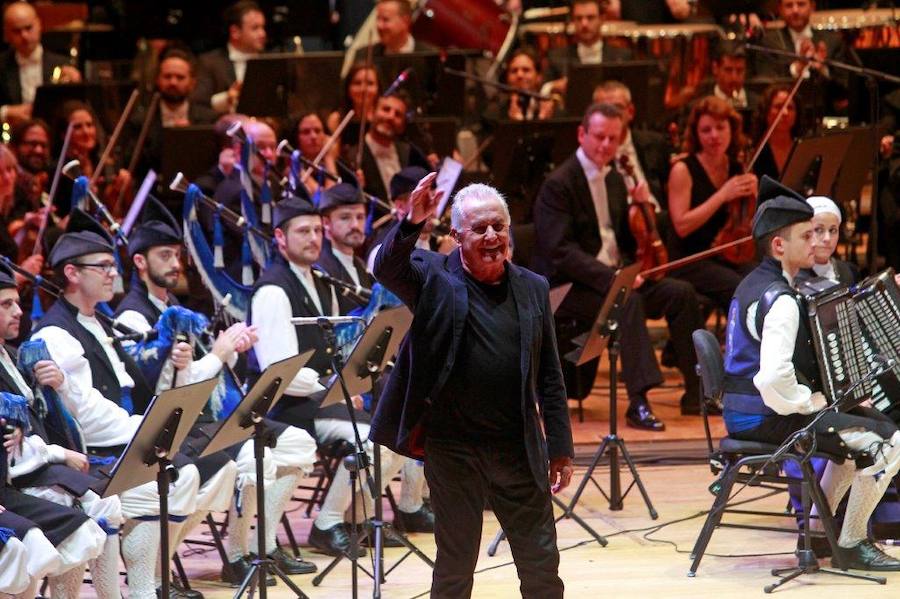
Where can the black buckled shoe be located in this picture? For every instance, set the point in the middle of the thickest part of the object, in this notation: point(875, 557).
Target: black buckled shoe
point(819, 545)
point(333, 541)
point(238, 572)
point(639, 415)
point(867, 556)
point(289, 564)
point(421, 520)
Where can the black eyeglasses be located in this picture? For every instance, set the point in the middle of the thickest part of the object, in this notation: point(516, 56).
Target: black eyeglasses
point(105, 267)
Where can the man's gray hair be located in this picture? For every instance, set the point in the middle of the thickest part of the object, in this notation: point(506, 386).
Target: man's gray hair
point(477, 191)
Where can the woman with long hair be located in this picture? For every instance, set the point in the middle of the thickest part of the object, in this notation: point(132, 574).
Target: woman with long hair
point(775, 153)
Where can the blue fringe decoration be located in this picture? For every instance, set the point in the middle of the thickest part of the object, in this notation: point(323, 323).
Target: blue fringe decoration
point(14, 409)
point(246, 259)
point(294, 177)
point(151, 355)
point(79, 192)
point(218, 239)
point(6, 534)
point(125, 401)
point(265, 198)
point(30, 353)
point(37, 310)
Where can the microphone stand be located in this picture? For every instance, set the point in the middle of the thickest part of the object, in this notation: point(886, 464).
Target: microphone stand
point(872, 77)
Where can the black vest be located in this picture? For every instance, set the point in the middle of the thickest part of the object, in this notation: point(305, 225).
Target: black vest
point(137, 300)
point(62, 314)
point(334, 267)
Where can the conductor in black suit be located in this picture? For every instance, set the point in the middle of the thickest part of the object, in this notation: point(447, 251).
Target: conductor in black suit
point(475, 379)
point(220, 72)
point(588, 46)
point(583, 237)
point(26, 65)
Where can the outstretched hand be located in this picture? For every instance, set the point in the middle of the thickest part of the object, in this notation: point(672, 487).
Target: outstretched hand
point(423, 200)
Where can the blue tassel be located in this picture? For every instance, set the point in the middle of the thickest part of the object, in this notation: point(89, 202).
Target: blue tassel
point(79, 192)
point(246, 259)
point(30, 353)
point(370, 218)
point(6, 534)
point(265, 197)
point(37, 310)
point(295, 171)
point(14, 409)
point(218, 239)
point(125, 401)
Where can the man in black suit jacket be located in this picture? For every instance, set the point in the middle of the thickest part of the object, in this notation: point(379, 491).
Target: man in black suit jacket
point(486, 375)
point(384, 153)
point(175, 80)
point(799, 37)
point(393, 21)
point(729, 76)
point(588, 46)
point(221, 71)
point(582, 234)
point(26, 65)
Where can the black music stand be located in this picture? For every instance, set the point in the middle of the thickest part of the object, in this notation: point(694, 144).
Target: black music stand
point(289, 83)
point(166, 423)
point(813, 163)
point(432, 90)
point(366, 363)
point(645, 78)
point(245, 421)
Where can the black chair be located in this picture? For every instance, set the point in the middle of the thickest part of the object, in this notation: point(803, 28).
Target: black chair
point(733, 457)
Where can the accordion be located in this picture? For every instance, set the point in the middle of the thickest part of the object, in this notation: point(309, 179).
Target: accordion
point(851, 328)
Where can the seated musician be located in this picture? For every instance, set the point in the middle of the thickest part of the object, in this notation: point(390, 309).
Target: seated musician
point(220, 72)
point(384, 151)
point(765, 400)
point(587, 19)
point(647, 151)
point(729, 77)
point(702, 188)
point(155, 247)
point(361, 90)
point(582, 236)
point(288, 289)
point(174, 81)
point(774, 155)
point(393, 22)
point(827, 231)
point(798, 36)
point(310, 138)
point(106, 392)
point(26, 64)
point(30, 142)
point(523, 71)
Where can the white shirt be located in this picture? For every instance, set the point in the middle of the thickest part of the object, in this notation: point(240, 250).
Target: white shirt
point(592, 54)
point(609, 252)
point(272, 313)
point(797, 38)
point(171, 116)
point(738, 100)
point(347, 262)
point(626, 148)
point(386, 159)
point(408, 47)
point(219, 101)
point(103, 422)
point(31, 75)
point(777, 379)
point(826, 270)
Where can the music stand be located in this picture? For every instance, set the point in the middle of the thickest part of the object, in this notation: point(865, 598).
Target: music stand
point(247, 415)
point(165, 424)
point(814, 162)
point(605, 334)
point(378, 344)
point(432, 90)
point(644, 78)
point(189, 150)
point(107, 99)
point(287, 83)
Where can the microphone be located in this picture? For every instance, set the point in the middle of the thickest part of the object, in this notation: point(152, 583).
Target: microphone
point(343, 287)
point(401, 78)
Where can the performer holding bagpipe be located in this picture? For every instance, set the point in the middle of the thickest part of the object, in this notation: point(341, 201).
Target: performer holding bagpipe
point(57, 540)
point(107, 393)
point(765, 399)
point(155, 248)
point(50, 462)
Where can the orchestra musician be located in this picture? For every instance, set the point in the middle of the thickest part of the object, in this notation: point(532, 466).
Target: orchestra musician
point(775, 153)
point(765, 401)
point(30, 142)
point(702, 188)
point(362, 87)
point(393, 22)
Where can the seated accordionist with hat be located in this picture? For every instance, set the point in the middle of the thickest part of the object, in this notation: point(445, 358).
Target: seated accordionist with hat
point(764, 398)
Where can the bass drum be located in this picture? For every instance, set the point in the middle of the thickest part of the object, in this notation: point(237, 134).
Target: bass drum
point(465, 24)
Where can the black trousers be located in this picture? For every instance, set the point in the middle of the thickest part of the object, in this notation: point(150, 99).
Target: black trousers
point(715, 279)
point(461, 476)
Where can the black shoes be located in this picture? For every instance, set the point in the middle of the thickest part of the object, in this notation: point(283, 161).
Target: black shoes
point(238, 572)
point(289, 564)
point(867, 556)
point(819, 545)
point(639, 415)
point(690, 407)
point(422, 520)
point(176, 591)
point(333, 541)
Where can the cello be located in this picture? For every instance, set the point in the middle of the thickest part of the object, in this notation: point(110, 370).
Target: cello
point(651, 251)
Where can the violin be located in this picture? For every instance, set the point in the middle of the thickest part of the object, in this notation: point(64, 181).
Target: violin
point(738, 226)
point(651, 251)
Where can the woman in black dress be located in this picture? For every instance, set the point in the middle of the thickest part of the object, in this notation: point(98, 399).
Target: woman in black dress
point(701, 188)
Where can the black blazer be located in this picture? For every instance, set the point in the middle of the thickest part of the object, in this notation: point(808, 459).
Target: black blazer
point(653, 150)
point(567, 236)
point(433, 286)
point(559, 59)
point(780, 39)
point(10, 87)
point(408, 154)
point(215, 73)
